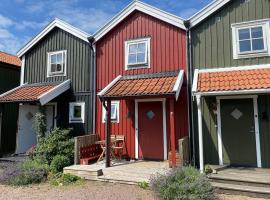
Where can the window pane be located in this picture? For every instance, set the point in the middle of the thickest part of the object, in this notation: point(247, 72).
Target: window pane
point(245, 46)
point(113, 111)
point(141, 47)
point(257, 32)
point(132, 48)
point(258, 44)
point(53, 68)
point(77, 112)
point(59, 58)
point(59, 67)
point(141, 58)
point(53, 58)
point(132, 59)
point(244, 34)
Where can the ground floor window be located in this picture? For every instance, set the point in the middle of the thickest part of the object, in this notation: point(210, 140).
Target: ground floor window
point(114, 112)
point(76, 112)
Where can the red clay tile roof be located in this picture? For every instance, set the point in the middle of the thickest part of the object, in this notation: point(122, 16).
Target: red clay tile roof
point(233, 80)
point(27, 93)
point(10, 59)
point(159, 84)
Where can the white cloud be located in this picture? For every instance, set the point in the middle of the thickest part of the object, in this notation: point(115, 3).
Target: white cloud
point(30, 24)
point(5, 21)
point(188, 12)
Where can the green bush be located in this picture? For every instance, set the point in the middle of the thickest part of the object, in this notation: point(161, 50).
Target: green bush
point(59, 162)
point(40, 123)
point(60, 179)
point(58, 142)
point(182, 183)
point(30, 172)
point(144, 185)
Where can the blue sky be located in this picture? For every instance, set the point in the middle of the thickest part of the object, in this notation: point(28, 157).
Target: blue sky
point(20, 20)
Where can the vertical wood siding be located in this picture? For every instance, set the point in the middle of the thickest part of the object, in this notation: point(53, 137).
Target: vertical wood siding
point(212, 48)
point(212, 39)
point(79, 70)
point(168, 53)
point(9, 79)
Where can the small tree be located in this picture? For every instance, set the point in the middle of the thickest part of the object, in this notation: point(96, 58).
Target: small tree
point(40, 123)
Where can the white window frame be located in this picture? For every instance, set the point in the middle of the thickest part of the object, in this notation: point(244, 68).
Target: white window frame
point(141, 65)
point(63, 71)
point(265, 24)
point(117, 117)
point(71, 112)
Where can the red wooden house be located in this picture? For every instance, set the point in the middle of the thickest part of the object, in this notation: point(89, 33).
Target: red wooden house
point(141, 81)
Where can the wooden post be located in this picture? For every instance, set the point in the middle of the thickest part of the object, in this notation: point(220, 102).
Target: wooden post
point(108, 133)
point(172, 133)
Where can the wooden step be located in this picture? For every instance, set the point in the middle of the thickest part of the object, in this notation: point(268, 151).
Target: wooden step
point(242, 189)
point(244, 181)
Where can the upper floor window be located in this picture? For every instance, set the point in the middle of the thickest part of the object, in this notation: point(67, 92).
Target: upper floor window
point(137, 53)
point(56, 63)
point(250, 39)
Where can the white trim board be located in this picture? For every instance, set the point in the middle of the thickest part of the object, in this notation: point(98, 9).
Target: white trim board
point(178, 84)
point(145, 8)
point(137, 101)
point(55, 23)
point(235, 68)
point(109, 86)
point(256, 124)
point(54, 92)
point(207, 11)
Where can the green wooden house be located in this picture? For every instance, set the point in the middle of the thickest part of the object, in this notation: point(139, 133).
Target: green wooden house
point(230, 62)
point(57, 74)
point(10, 67)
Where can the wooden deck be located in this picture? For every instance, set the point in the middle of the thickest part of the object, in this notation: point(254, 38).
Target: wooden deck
point(129, 172)
point(245, 180)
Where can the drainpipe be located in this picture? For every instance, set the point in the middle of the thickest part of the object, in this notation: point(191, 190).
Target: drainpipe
point(190, 99)
point(200, 130)
point(91, 40)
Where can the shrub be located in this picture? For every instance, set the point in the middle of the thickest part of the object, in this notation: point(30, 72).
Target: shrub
point(182, 183)
point(40, 123)
point(59, 162)
point(60, 179)
point(58, 142)
point(144, 185)
point(30, 172)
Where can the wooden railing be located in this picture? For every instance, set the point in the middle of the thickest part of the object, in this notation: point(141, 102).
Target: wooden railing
point(82, 141)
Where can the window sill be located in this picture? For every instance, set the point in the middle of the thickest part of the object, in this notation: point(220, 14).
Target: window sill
point(76, 122)
point(132, 67)
point(252, 55)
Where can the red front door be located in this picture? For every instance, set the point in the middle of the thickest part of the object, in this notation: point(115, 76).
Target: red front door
point(150, 122)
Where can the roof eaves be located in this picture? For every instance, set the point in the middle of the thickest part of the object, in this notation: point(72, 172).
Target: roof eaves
point(145, 8)
point(55, 23)
point(207, 11)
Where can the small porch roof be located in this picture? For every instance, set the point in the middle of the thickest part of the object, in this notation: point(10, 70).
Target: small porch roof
point(156, 84)
point(38, 92)
point(232, 81)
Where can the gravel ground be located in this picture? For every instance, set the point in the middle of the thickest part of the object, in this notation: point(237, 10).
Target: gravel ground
point(89, 190)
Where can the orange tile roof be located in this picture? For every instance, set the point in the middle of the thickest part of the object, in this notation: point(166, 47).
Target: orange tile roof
point(27, 93)
point(233, 80)
point(159, 84)
point(10, 59)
